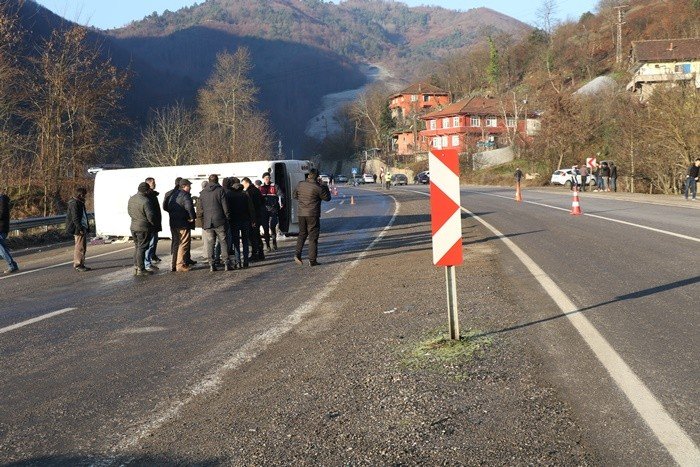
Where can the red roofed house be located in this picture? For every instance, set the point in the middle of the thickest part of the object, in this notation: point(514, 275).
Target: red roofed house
point(664, 62)
point(406, 108)
point(477, 122)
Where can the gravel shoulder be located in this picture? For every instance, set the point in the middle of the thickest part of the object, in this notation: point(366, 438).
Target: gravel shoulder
point(342, 388)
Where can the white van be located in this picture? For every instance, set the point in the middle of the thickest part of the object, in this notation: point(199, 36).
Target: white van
point(113, 188)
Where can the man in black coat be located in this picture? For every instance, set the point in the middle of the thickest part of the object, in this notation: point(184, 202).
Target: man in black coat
point(215, 220)
point(310, 193)
point(77, 225)
point(151, 255)
point(5, 231)
point(242, 220)
point(182, 218)
point(256, 198)
point(143, 218)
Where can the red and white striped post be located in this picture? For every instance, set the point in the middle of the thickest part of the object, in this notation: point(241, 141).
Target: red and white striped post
point(446, 219)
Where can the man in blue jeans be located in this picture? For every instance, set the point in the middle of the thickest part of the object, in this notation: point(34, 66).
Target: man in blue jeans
point(691, 180)
point(4, 232)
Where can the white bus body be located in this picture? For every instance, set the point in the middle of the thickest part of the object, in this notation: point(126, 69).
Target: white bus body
point(113, 188)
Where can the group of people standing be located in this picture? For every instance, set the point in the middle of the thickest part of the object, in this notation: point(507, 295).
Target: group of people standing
point(604, 174)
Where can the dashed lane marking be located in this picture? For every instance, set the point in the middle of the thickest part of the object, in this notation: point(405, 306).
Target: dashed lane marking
point(330, 210)
point(21, 273)
point(676, 441)
point(34, 320)
point(251, 349)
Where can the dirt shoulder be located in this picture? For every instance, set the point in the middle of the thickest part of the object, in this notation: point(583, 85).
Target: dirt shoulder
point(349, 387)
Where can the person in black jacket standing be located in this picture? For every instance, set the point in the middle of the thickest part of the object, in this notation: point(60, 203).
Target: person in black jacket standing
point(77, 225)
point(215, 220)
point(5, 231)
point(182, 218)
point(310, 193)
point(256, 198)
point(151, 255)
point(242, 219)
point(143, 218)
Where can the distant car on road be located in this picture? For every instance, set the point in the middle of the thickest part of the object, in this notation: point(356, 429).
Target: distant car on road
point(325, 178)
point(357, 180)
point(422, 177)
point(399, 179)
point(564, 176)
point(341, 179)
point(368, 178)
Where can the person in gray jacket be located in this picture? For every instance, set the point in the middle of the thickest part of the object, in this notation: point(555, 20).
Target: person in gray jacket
point(215, 220)
point(143, 223)
point(310, 193)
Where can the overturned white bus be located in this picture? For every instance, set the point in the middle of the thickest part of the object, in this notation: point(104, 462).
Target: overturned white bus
point(114, 187)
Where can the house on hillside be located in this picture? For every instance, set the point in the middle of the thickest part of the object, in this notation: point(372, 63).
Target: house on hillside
point(406, 108)
point(664, 62)
point(478, 123)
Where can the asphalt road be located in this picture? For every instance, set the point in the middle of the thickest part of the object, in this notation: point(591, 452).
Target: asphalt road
point(631, 269)
point(84, 383)
point(90, 382)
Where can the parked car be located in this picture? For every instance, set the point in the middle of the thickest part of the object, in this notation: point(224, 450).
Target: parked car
point(325, 178)
point(357, 180)
point(422, 177)
point(563, 177)
point(399, 179)
point(341, 179)
point(368, 178)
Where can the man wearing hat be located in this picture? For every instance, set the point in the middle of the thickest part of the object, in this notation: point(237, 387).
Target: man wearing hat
point(143, 223)
point(182, 218)
point(310, 193)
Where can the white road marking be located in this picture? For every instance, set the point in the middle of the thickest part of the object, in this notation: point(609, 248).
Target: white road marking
point(251, 349)
point(34, 320)
point(330, 210)
point(666, 232)
point(342, 202)
point(676, 441)
point(21, 273)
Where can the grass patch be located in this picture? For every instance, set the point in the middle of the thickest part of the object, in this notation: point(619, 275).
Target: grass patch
point(438, 352)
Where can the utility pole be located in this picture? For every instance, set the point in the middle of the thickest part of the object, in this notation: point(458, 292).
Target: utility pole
point(620, 14)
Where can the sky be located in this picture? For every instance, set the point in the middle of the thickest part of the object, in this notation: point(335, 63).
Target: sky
point(107, 14)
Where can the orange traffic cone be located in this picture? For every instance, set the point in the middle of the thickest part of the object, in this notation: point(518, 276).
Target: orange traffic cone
point(352, 200)
point(518, 193)
point(575, 204)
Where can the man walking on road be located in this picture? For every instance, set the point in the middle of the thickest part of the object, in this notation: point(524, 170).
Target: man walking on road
point(151, 256)
point(5, 231)
point(143, 218)
point(215, 220)
point(691, 180)
point(518, 176)
point(77, 225)
point(310, 193)
point(182, 218)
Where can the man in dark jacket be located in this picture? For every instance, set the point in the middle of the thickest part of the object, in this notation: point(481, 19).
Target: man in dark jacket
point(77, 225)
point(258, 206)
point(182, 218)
point(242, 219)
point(151, 255)
point(215, 220)
point(143, 218)
point(691, 180)
point(5, 231)
point(310, 193)
point(613, 177)
point(273, 200)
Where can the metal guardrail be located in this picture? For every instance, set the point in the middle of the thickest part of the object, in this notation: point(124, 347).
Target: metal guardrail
point(36, 222)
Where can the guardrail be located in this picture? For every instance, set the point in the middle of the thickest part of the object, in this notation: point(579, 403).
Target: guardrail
point(36, 222)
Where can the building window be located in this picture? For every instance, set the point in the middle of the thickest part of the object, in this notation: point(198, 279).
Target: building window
point(491, 121)
point(455, 141)
point(476, 121)
point(443, 143)
point(426, 98)
point(510, 121)
point(445, 122)
point(433, 124)
point(414, 98)
point(455, 122)
point(436, 142)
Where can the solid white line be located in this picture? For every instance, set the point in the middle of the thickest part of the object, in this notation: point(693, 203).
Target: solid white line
point(342, 202)
point(676, 441)
point(330, 210)
point(34, 320)
point(666, 232)
point(10, 276)
point(252, 348)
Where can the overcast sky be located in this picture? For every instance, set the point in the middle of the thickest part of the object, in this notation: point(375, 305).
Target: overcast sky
point(106, 14)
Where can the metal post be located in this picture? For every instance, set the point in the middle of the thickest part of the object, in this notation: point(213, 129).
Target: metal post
point(452, 312)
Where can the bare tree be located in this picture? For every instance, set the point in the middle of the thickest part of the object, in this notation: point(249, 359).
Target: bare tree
point(171, 138)
point(11, 90)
